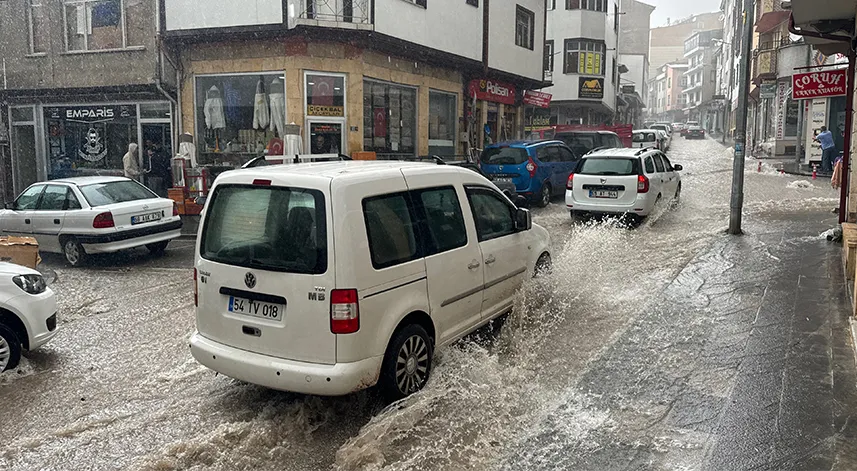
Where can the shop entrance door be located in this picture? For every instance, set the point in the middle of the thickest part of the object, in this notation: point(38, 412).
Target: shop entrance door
point(326, 137)
point(25, 159)
point(157, 150)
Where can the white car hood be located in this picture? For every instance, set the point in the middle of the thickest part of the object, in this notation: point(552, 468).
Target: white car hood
point(12, 269)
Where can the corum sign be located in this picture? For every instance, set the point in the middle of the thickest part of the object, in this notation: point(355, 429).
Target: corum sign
point(491, 90)
point(818, 84)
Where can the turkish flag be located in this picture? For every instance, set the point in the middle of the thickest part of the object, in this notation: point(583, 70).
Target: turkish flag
point(322, 91)
point(380, 119)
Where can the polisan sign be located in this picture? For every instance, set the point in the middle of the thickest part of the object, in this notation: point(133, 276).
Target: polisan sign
point(818, 84)
point(491, 90)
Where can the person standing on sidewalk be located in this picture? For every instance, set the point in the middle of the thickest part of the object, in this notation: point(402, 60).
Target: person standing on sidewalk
point(828, 149)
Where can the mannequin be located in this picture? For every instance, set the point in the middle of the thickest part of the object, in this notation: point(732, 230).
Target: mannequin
point(261, 116)
point(278, 107)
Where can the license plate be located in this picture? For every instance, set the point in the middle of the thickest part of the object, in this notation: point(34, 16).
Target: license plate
point(603, 194)
point(251, 307)
point(502, 179)
point(143, 218)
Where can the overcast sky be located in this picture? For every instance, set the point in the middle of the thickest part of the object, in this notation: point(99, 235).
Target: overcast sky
point(675, 9)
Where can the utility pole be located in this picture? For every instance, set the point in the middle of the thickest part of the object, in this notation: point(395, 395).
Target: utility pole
point(737, 201)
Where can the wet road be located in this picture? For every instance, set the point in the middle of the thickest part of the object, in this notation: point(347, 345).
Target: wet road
point(671, 346)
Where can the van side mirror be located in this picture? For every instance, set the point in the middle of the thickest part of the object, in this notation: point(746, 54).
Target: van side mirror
point(523, 220)
point(11, 205)
point(677, 167)
point(521, 201)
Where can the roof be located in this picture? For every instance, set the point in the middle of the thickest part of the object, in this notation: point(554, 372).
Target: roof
point(625, 153)
point(523, 143)
point(80, 181)
point(331, 170)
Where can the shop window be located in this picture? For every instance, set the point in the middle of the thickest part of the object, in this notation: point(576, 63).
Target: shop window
point(160, 110)
point(525, 21)
point(584, 56)
point(325, 95)
point(237, 116)
point(790, 128)
point(389, 118)
point(443, 110)
point(89, 140)
point(95, 25)
point(38, 25)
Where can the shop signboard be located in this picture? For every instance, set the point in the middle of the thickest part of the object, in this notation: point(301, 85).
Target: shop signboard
point(818, 84)
point(781, 109)
point(321, 110)
point(817, 117)
point(591, 87)
point(768, 90)
point(492, 90)
point(537, 99)
point(91, 114)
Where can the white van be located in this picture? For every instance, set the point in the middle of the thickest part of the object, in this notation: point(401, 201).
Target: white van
point(328, 278)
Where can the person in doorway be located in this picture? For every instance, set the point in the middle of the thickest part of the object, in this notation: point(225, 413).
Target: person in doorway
point(160, 172)
point(320, 145)
point(130, 163)
point(828, 149)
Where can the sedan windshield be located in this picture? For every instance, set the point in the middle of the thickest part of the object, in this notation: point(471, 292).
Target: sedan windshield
point(100, 194)
point(609, 166)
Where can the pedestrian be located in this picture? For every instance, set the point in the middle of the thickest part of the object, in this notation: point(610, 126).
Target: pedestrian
point(130, 164)
point(828, 149)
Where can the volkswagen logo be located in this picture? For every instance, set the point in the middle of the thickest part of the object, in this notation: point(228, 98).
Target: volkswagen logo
point(250, 280)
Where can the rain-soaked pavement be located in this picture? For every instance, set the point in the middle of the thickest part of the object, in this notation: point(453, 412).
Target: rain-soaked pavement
point(670, 346)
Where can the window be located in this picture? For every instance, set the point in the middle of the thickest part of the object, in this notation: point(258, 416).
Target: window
point(713, 76)
point(616, 18)
point(475, 3)
point(669, 82)
point(54, 198)
point(551, 4)
point(389, 118)
point(593, 5)
point(38, 25)
point(94, 25)
point(659, 164)
point(271, 228)
point(584, 56)
point(443, 116)
point(566, 155)
point(650, 165)
point(123, 191)
point(493, 215)
point(390, 229)
point(549, 55)
point(504, 156)
point(525, 22)
point(325, 95)
point(444, 228)
point(29, 198)
point(421, 3)
point(608, 166)
point(667, 164)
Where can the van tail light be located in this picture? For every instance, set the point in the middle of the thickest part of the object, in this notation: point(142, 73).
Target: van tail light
point(532, 167)
point(642, 184)
point(195, 289)
point(103, 221)
point(344, 311)
point(175, 209)
point(570, 184)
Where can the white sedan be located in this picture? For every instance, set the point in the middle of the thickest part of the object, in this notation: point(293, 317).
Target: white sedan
point(28, 313)
point(88, 215)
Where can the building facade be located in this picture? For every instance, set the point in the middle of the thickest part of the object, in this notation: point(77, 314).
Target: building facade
point(83, 79)
point(634, 26)
point(701, 78)
point(583, 60)
point(397, 78)
point(667, 42)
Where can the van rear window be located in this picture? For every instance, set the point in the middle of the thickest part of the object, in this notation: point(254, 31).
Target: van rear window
point(644, 137)
point(504, 156)
point(609, 166)
point(265, 227)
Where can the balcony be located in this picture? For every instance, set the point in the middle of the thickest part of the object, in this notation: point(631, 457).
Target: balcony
point(769, 15)
point(764, 64)
point(348, 14)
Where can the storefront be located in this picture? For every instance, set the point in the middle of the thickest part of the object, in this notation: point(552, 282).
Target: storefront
point(497, 115)
point(52, 141)
point(822, 95)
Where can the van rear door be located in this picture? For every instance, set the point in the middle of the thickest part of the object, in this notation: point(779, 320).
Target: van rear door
point(264, 270)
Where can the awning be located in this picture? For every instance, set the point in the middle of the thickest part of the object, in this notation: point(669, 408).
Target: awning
point(771, 20)
point(834, 18)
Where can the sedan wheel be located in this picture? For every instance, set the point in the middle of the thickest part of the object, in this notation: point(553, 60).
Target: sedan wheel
point(407, 363)
point(10, 349)
point(75, 255)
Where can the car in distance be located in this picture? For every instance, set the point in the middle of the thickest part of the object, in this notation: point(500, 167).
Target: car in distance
point(28, 313)
point(88, 215)
point(695, 132)
point(647, 138)
point(538, 169)
point(333, 277)
point(622, 182)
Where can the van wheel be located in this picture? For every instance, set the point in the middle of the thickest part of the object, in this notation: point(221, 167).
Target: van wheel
point(10, 349)
point(545, 196)
point(407, 362)
point(543, 266)
point(158, 248)
point(74, 253)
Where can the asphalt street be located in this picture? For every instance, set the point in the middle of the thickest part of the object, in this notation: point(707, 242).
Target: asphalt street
point(671, 346)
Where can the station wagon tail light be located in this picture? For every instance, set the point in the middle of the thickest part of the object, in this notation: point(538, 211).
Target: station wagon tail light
point(531, 167)
point(642, 184)
point(103, 221)
point(195, 289)
point(570, 184)
point(344, 311)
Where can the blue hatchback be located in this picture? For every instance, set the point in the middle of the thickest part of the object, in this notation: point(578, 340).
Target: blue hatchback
point(539, 169)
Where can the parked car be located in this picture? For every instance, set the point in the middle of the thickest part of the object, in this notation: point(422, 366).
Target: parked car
point(648, 138)
point(688, 125)
point(582, 142)
point(88, 215)
point(695, 132)
point(677, 127)
point(506, 187)
point(28, 313)
point(667, 130)
point(329, 278)
point(538, 169)
point(622, 182)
